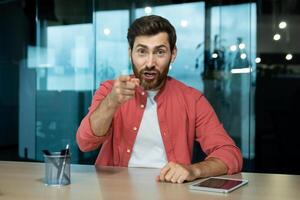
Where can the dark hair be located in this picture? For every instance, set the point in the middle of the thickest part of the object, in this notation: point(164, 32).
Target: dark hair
point(151, 25)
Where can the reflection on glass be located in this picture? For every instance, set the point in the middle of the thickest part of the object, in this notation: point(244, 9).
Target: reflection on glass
point(228, 74)
point(66, 62)
point(73, 52)
point(64, 66)
point(111, 44)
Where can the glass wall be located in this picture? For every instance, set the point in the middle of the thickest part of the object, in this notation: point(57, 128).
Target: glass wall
point(79, 46)
point(230, 60)
point(63, 66)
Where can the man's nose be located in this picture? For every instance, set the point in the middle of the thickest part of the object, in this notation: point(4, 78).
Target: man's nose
point(151, 60)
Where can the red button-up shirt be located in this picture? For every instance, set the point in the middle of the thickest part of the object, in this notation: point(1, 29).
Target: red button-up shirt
point(184, 115)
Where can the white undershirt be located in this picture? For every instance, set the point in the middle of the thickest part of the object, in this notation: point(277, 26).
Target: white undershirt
point(148, 149)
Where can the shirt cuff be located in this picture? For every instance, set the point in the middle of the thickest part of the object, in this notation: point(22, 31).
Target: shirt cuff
point(86, 138)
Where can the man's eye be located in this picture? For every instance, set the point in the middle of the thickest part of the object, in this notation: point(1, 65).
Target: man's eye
point(161, 52)
point(141, 51)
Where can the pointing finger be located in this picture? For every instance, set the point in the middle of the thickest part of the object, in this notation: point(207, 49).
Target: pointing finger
point(136, 81)
point(124, 78)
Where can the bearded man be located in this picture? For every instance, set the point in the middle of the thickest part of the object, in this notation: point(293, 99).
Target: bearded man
point(152, 120)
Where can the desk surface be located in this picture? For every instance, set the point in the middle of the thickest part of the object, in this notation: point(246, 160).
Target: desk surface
point(24, 180)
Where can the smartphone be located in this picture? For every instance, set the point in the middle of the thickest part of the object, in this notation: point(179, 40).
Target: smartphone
point(218, 184)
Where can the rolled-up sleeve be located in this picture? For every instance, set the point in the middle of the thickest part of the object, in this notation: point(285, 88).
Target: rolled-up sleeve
point(86, 139)
point(213, 138)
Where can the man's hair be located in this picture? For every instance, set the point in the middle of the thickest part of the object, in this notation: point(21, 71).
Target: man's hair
point(151, 25)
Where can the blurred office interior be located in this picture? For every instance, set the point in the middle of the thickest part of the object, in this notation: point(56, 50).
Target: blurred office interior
point(243, 55)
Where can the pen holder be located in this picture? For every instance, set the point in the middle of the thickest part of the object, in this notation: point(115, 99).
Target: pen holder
point(57, 169)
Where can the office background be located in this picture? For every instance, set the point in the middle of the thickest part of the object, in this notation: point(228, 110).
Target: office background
point(243, 55)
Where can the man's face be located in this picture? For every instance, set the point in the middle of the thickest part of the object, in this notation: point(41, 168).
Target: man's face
point(151, 57)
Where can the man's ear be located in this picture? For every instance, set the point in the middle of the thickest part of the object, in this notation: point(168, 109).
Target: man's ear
point(129, 52)
point(174, 54)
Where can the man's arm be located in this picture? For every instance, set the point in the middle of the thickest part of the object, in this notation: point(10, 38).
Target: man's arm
point(223, 155)
point(98, 121)
point(123, 90)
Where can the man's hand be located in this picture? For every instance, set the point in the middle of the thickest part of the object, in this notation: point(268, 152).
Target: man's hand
point(123, 90)
point(176, 173)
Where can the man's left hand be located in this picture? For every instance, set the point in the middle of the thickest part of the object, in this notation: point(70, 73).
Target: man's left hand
point(176, 173)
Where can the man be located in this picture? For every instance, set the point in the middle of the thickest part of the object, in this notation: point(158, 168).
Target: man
point(151, 120)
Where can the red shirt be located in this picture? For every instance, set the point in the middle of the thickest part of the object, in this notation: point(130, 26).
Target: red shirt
point(184, 115)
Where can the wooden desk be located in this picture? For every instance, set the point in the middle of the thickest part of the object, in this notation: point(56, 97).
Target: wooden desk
point(24, 180)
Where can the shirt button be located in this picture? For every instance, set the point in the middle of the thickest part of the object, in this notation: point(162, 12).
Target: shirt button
point(134, 128)
point(164, 134)
point(142, 106)
point(128, 150)
point(143, 93)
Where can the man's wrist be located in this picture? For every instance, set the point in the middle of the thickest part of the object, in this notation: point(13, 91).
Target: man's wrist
point(111, 104)
point(196, 170)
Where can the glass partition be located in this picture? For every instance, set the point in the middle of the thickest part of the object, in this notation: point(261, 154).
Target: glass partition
point(63, 65)
point(230, 69)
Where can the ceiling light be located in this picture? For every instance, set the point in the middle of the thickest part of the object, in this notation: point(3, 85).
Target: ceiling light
point(233, 48)
point(276, 37)
point(183, 23)
point(245, 70)
point(106, 31)
point(243, 56)
point(148, 10)
point(258, 60)
point(289, 56)
point(242, 46)
point(214, 55)
point(282, 25)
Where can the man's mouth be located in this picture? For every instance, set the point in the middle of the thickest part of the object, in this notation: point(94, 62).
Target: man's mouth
point(149, 75)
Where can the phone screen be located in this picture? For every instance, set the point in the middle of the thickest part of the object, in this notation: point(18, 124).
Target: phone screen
point(219, 183)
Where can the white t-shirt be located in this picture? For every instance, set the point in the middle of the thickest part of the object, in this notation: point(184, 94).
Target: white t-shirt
point(148, 149)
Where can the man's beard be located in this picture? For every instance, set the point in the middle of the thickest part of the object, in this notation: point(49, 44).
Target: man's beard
point(157, 82)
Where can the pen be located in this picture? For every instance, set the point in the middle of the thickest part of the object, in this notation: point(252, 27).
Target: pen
point(64, 164)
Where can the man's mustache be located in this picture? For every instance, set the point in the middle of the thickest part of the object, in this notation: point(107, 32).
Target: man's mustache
point(147, 69)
